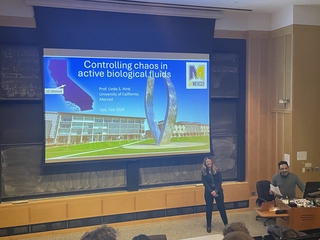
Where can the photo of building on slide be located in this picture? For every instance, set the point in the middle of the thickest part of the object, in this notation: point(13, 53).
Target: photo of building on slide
point(109, 108)
point(95, 136)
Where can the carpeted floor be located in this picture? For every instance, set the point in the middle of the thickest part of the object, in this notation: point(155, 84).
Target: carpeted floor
point(174, 229)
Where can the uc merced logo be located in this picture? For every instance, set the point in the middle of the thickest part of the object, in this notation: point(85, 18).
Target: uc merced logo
point(196, 77)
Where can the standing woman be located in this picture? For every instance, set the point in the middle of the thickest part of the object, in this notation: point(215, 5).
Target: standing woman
point(212, 180)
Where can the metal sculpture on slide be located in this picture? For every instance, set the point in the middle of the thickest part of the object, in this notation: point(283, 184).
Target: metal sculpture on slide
point(162, 136)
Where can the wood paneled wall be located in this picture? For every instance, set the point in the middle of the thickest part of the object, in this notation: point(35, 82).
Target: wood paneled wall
point(94, 205)
point(282, 64)
point(306, 100)
point(261, 130)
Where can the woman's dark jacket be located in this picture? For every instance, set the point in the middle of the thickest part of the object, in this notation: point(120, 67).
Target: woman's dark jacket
point(212, 182)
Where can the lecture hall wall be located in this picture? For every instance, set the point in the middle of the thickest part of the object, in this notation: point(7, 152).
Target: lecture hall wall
point(282, 62)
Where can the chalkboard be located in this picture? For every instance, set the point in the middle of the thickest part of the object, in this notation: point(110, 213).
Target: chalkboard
point(23, 177)
point(21, 122)
point(224, 75)
point(20, 73)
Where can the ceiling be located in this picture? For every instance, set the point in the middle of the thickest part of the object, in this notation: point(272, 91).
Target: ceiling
point(261, 6)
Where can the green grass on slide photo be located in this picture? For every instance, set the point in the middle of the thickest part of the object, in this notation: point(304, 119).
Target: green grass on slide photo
point(117, 147)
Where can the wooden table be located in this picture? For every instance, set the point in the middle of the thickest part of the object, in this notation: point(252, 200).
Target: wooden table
point(300, 218)
point(297, 218)
point(271, 214)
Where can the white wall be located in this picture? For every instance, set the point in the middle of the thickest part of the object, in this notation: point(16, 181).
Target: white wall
point(243, 21)
point(282, 18)
point(231, 20)
point(15, 8)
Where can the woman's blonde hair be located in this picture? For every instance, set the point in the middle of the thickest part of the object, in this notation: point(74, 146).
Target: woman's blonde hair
point(205, 169)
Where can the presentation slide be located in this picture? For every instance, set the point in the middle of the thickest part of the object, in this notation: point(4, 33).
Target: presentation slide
point(104, 105)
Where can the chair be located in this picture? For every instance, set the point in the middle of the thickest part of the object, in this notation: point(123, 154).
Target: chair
point(263, 192)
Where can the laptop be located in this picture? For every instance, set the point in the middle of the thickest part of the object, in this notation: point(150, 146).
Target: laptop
point(312, 189)
point(267, 206)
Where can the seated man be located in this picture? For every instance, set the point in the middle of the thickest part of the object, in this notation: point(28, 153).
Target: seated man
point(286, 181)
